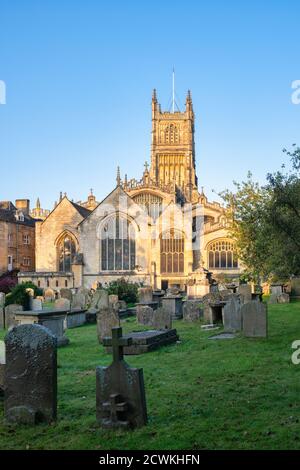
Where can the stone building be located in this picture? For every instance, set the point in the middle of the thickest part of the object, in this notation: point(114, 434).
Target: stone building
point(38, 213)
point(17, 236)
point(160, 230)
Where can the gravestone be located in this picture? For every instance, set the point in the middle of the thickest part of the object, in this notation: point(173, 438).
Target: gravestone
point(78, 301)
point(283, 298)
point(2, 299)
point(30, 379)
point(254, 316)
point(35, 304)
point(66, 294)
point(162, 319)
point(49, 295)
point(62, 304)
point(2, 366)
point(51, 319)
point(246, 292)
point(107, 317)
point(145, 295)
point(2, 318)
point(144, 315)
point(276, 289)
point(295, 287)
point(9, 314)
point(120, 391)
point(192, 310)
point(173, 304)
point(232, 316)
point(113, 299)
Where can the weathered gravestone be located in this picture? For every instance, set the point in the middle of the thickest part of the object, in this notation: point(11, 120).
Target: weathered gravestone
point(192, 310)
point(295, 287)
point(2, 366)
point(283, 298)
point(276, 289)
point(2, 318)
point(120, 391)
point(66, 294)
point(145, 295)
point(9, 314)
point(254, 316)
point(62, 304)
point(2, 299)
point(35, 304)
point(144, 315)
point(173, 304)
point(78, 301)
point(246, 292)
point(232, 316)
point(107, 317)
point(30, 379)
point(162, 319)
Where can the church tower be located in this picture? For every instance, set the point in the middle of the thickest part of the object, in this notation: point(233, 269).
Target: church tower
point(173, 148)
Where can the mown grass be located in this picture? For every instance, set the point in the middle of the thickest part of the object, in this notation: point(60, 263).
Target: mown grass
point(201, 394)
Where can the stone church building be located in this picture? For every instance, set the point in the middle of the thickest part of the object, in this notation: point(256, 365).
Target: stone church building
point(160, 230)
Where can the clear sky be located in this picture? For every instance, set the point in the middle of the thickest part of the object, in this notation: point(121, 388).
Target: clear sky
point(79, 76)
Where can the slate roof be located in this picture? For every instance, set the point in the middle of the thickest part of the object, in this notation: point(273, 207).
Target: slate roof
point(82, 210)
point(9, 215)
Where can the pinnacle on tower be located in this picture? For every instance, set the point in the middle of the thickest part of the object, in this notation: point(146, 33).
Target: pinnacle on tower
point(118, 179)
point(38, 204)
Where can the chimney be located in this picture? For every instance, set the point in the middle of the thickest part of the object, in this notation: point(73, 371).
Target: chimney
point(23, 205)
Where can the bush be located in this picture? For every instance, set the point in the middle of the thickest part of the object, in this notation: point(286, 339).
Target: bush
point(18, 294)
point(125, 290)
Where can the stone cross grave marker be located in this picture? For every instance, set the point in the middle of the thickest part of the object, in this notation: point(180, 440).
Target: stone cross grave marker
point(120, 391)
point(30, 377)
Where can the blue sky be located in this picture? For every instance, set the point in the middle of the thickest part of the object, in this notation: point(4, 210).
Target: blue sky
point(79, 77)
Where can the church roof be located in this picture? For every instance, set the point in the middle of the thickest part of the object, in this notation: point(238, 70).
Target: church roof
point(83, 211)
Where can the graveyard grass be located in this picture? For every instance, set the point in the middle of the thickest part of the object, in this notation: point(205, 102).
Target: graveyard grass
point(201, 394)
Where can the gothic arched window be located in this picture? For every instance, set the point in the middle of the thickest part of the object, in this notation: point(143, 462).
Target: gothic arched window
point(171, 134)
point(66, 252)
point(172, 252)
point(117, 245)
point(222, 255)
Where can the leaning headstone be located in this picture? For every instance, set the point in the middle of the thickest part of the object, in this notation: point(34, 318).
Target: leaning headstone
point(162, 319)
point(192, 310)
point(145, 295)
point(66, 294)
point(62, 304)
point(144, 315)
point(107, 319)
point(232, 316)
point(246, 292)
point(254, 316)
point(283, 298)
point(120, 391)
point(9, 314)
point(30, 380)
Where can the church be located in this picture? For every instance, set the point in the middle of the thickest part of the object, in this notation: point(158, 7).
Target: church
point(159, 230)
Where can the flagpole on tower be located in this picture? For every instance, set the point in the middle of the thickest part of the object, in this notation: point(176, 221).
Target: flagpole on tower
point(173, 93)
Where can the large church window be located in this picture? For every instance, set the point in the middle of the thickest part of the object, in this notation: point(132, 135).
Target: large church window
point(172, 252)
point(66, 253)
point(222, 255)
point(117, 245)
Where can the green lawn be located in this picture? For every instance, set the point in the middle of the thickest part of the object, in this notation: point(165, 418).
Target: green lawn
point(201, 394)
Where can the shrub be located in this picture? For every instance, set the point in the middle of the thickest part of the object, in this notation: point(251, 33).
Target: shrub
point(125, 290)
point(18, 294)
